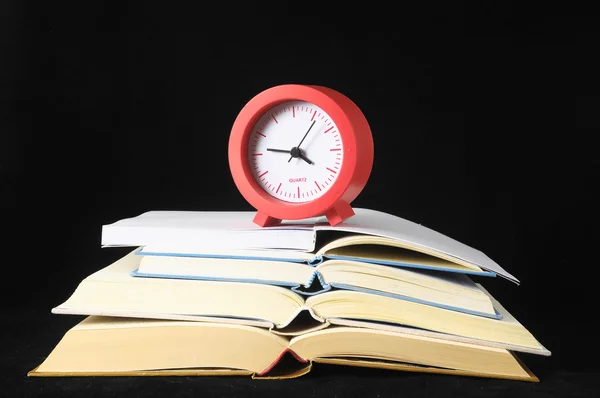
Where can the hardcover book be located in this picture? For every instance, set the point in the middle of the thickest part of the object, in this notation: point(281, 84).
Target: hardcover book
point(102, 346)
point(446, 290)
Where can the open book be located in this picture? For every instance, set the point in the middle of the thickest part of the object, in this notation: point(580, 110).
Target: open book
point(442, 289)
point(369, 236)
point(104, 346)
point(113, 291)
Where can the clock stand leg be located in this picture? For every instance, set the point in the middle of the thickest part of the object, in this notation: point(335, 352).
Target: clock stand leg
point(339, 212)
point(265, 220)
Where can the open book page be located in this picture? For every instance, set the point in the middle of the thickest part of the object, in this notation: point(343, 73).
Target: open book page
point(372, 222)
point(381, 250)
point(536, 348)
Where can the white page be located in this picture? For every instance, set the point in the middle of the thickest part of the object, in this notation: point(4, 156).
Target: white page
point(373, 222)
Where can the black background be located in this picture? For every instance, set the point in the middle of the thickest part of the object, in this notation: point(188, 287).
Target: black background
point(484, 120)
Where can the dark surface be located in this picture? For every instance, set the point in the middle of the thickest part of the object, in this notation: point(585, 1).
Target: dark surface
point(484, 122)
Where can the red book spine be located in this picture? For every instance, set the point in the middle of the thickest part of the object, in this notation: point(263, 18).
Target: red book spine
point(271, 366)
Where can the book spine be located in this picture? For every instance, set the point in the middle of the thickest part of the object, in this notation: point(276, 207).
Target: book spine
point(287, 350)
point(312, 288)
point(316, 260)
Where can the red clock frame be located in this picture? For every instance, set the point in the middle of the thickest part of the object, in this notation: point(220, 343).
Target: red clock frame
point(355, 170)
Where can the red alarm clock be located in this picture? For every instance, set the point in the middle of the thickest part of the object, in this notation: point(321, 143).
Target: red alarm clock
point(299, 151)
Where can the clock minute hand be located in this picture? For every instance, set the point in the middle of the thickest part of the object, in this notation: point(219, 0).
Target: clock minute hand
point(301, 141)
point(311, 126)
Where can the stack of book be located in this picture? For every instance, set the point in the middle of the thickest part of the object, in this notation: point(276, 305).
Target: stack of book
point(210, 293)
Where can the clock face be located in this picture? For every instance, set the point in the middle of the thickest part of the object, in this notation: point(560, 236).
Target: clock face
point(295, 152)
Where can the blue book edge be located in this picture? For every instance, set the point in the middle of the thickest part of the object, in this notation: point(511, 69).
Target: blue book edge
point(318, 260)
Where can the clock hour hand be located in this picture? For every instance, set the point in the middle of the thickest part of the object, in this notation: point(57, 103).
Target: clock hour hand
point(307, 160)
point(278, 150)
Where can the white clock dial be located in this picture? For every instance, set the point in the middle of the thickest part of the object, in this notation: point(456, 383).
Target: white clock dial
point(295, 152)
